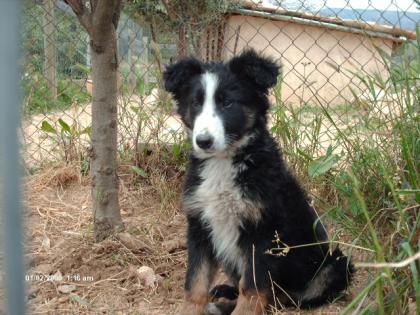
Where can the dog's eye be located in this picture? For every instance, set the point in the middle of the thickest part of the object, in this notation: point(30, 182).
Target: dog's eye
point(199, 98)
point(226, 104)
point(196, 104)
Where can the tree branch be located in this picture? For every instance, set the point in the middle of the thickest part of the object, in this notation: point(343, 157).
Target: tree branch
point(85, 18)
point(170, 10)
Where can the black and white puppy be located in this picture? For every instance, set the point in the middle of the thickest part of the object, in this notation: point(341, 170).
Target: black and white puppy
point(246, 212)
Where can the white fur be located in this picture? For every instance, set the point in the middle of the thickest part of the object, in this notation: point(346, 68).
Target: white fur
point(208, 121)
point(222, 207)
point(212, 308)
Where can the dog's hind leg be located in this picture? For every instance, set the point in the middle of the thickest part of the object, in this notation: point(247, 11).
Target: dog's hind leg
point(250, 301)
point(333, 278)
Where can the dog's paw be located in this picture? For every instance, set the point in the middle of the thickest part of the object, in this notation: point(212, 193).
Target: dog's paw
point(223, 300)
point(212, 309)
point(223, 291)
point(219, 308)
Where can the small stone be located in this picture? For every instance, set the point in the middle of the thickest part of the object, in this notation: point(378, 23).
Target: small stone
point(46, 242)
point(147, 277)
point(44, 269)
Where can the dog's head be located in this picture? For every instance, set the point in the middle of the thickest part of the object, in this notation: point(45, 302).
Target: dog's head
point(220, 103)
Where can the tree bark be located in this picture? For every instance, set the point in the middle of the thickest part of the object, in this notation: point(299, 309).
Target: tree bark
point(104, 135)
point(101, 23)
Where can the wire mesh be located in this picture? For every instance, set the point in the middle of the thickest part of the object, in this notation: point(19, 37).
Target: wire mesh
point(326, 48)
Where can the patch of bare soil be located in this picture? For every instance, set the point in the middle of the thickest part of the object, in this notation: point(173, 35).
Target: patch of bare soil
point(140, 271)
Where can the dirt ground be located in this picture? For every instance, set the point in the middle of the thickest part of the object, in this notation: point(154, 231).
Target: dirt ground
point(69, 274)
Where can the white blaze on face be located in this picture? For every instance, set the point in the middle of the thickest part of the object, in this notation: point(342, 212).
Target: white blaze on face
point(208, 121)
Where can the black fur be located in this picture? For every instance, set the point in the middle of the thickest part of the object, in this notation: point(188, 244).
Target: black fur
point(263, 179)
point(179, 75)
point(260, 72)
point(224, 291)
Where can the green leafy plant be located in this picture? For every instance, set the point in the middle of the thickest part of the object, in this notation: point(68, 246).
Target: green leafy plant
point(323, 164)
point(66, 136)
point(371, 187)
point(139, 171)
point(38, 97)
point(377, 189)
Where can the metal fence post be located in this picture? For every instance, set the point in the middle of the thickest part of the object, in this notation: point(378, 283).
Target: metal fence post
point(9, 161)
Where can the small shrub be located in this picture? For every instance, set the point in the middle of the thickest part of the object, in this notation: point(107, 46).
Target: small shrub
point(38, 96)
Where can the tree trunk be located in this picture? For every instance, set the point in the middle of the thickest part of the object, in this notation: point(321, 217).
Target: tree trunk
point(104, 132)
point(101, 21)
point(50, 58)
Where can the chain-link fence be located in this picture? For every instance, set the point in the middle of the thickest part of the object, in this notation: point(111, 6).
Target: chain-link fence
point(336, 58)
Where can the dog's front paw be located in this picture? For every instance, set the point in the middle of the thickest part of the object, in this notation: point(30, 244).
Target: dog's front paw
point(219, 308)
point(212, 309)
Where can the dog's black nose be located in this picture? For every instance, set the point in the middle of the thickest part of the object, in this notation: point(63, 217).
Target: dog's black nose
point(204, 141)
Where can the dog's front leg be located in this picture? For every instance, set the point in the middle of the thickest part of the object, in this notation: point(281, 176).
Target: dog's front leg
point(201, 270)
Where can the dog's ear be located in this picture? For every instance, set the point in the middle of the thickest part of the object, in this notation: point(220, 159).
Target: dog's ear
point(262, 72)
point(177, 75)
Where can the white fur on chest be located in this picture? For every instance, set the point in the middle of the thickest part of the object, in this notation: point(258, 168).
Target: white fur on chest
point(222, 206)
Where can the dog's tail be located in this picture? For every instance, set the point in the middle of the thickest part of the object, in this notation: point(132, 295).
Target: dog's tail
point(331, 280)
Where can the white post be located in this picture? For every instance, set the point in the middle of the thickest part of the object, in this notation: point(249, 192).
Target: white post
point(132, 77)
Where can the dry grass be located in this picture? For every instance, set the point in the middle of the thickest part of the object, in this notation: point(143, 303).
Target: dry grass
point(59, 242)
point(59, 238)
